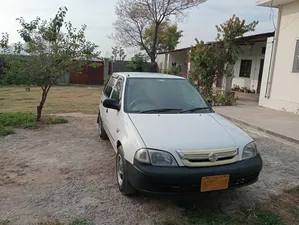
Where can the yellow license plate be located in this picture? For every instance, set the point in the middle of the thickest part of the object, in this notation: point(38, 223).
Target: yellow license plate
point(214, 183)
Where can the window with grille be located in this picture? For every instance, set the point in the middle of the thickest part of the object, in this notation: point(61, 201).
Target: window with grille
point(245, 68)
point(296, 59)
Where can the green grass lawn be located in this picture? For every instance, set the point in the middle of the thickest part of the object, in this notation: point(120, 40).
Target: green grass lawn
point(281, 210)
point(61, 99)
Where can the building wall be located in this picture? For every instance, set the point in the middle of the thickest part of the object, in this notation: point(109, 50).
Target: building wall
point(250, 52)
point(179, 58)
point(165, 60)
point(254, 53)
point(162, 60)
point(284, 91)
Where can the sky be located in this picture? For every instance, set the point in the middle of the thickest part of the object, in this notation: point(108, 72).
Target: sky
point(99, 16)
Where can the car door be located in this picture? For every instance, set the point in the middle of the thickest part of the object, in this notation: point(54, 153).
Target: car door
point(114, 116)
point(107, 94)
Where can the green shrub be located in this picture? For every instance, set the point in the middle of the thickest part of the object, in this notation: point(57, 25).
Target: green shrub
point(174, 70)
point(4, 131)
point(138, 63)
point(10, 120)
point(221, 99)
point(54, 120)
point(17, 119)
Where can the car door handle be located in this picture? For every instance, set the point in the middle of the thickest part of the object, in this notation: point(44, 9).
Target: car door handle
point(106, 110)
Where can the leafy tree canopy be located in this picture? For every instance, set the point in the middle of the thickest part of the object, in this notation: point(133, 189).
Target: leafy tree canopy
point(138, 62)
point(49, 48)
point(168, 38)
point(137, 20)
point(118, 53)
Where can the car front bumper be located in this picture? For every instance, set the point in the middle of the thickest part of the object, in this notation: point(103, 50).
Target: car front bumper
point(175, 180)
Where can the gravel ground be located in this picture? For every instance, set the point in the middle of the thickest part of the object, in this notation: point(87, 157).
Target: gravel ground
point(66, 172)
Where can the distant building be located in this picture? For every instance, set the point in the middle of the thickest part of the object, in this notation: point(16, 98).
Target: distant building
point(248, 69)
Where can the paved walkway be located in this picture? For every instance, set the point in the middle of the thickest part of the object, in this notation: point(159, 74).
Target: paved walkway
point(281, 124)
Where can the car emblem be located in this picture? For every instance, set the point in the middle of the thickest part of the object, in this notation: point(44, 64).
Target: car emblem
point(213, 157)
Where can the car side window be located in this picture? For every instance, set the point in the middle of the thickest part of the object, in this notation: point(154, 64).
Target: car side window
point(109, 86)
point(117, 90)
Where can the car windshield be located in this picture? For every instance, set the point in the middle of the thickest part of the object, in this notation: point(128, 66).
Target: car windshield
point(158, 95)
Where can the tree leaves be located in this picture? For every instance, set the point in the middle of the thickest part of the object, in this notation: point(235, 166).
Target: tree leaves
point(136, 17)
point(138, 63)
point(49, 51)
point(118, 53)
point(168, 37)
point(207, 60)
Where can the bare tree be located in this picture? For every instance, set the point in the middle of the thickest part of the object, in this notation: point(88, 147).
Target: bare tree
point(135, 16)
point(118, 53)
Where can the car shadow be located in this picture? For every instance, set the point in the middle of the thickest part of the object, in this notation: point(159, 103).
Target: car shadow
point(228, 202)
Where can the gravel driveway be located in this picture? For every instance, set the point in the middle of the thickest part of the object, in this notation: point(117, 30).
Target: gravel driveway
point(66, 172)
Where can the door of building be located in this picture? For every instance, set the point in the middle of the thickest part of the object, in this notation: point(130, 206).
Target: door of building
point(260, 75)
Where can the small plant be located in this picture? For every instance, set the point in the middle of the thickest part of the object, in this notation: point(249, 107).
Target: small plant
point(4, 222)
point(221, 100)
point(244, 89)
point(176, 69)
point(79, 222)
point(16, 119)
point(54, 120)
point(4, 131)
point(266, 217)
point(138, 63)
point(236, 88)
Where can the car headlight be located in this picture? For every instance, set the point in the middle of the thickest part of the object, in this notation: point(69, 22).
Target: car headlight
point(155, 157)
point(249, 151)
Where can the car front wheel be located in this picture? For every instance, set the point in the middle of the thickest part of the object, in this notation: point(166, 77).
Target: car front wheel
point(124, 184)
point(102, 132)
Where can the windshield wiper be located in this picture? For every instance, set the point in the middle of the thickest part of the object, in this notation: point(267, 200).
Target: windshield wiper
point(194, 109)
point(160, 110)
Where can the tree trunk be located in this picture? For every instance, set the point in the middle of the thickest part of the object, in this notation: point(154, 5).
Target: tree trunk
point(41, 104)
point(228, 85)
point(154, 47)
point(228, 81)
point(153, 67)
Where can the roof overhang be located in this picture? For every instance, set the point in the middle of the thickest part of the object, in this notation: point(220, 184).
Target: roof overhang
point(247, 40)
point(272, 3)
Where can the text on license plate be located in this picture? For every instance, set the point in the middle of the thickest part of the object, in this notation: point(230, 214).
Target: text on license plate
point(214, 183)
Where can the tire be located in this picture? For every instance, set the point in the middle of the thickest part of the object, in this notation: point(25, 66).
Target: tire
point(123, 183)
point(102, 132)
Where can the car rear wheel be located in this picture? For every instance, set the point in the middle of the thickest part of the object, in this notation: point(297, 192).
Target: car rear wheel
point(102, 132)
point(124, 184)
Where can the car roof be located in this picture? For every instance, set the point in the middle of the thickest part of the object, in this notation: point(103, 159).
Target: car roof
point(149, 75)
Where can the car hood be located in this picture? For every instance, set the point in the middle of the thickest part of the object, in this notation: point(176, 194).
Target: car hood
point(188, 131)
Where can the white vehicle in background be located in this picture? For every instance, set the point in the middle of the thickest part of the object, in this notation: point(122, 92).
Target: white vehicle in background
point(168, 139)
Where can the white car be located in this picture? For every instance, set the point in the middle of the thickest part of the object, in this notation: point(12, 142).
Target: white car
point(168, 139)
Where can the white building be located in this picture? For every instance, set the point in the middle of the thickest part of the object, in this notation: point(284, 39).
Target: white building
point(248, 69)
point(280, 82)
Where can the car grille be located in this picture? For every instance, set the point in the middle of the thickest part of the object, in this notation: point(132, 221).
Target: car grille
point(204, 158)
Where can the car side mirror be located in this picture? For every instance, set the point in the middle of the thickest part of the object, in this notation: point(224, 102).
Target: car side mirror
point(111, 104)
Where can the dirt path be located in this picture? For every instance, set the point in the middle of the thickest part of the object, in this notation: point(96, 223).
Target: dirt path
point(66, 172)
